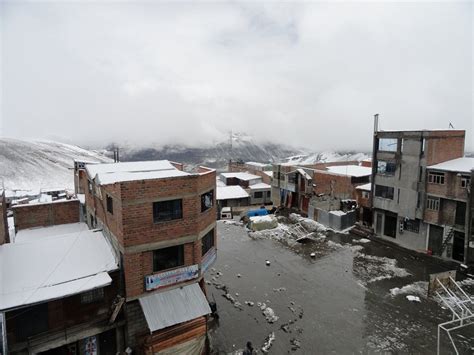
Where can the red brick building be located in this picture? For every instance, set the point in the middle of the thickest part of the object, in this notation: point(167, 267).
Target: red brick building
point(162, 221)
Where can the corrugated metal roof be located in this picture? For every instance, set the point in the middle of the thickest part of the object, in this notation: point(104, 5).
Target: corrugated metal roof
point(174, 306)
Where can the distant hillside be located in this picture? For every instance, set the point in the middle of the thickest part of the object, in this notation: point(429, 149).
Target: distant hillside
point(243, 148)
point(34, 165)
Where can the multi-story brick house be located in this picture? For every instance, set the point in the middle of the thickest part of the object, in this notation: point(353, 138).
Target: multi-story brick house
point(447, 208)
point(59, 283)
point(161, 220)
point(405, 189)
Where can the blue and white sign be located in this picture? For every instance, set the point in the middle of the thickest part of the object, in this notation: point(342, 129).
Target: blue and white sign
point(208, 260)
point(171, 277)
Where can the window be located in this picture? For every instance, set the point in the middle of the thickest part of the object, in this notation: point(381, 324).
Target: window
point(168, 258)
point(384, 192)
point(411, 225)
point(436, 178)
point(432, 203)
point(460, 216)
point(269, 194)
point(110, 204)
point(388, 144)
point(207, 242)
point(89, 183)
point(386, 167)
point(92, 296)
point(365, 194)
point(167, 210)
point(207, 200)
point(258, 194)
point(465, 181)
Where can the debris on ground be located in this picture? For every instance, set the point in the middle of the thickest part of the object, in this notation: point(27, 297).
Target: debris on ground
point(267, 262)
point(269, 313)
point(268, 342)
point(412, 298)
point(280, 289)
point(249, 303)
point(295, 344)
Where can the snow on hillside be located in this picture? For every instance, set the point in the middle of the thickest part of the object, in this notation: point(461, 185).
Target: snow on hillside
point(40, 164)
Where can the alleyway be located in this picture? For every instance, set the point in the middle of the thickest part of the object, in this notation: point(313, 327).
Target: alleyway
point(351, 297)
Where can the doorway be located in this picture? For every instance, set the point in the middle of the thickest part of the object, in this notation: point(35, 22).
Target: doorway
point(435, 240)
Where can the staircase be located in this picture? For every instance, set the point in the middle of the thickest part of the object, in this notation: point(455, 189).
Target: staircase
point(447, 240)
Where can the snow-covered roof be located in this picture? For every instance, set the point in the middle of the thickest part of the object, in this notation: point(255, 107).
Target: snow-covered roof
point(230, 192)
point(350, 170)
point(365, 187)
point(241, 176)
point(110, 173)
point(260, 186)
point(337, 213)
point(54, 267)
point(219, 182)
point(39, 233)
point(459, 165)
point(269, 172)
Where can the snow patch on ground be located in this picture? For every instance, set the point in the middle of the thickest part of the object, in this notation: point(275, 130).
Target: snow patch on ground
point(412, 298)
point(418, 288)
point(361, 240)
point(370, 268)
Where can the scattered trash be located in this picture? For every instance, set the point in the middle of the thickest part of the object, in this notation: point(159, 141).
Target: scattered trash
point(249, 303)
point(313, 255)
point(280, 289)
point(268, 313)
point(237, 294)
point(267, 262)
point(268, 342)
point(238, 275)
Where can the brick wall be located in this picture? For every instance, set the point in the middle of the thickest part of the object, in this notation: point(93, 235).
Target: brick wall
point(446, 146)
point(46, 214)
point(362, 201)
point(4, 236)
point(450, 189)
point(340, 185)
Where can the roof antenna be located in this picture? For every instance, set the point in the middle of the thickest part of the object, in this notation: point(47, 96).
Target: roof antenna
point(451, 125)
point(376, 123)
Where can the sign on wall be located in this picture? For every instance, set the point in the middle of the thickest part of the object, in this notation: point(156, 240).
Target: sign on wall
point(90, 345)
point(208, 260)
point(171, 277)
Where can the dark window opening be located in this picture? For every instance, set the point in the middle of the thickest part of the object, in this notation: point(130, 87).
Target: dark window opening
point(207, 242)
point(92, 296)
point(110, 204)
point(167, 210)
point(168, 258)
point(390, 225)
point(269, 193)
point(386, 167)
point(258, 194)
point(384, 191)
point(465, 182)
point(460, 218)
point(207, 200)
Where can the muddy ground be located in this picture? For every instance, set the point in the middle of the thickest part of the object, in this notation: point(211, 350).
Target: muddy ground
point(349, 297)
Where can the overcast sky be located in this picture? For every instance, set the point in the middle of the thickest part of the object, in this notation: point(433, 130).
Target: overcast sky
point(304, 74)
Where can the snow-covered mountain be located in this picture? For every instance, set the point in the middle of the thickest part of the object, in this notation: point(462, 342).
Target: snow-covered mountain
point(243, 148)
point(40, 164)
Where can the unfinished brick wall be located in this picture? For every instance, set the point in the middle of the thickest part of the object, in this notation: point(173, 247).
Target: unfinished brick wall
point(338, 185)
point(444, 145)
point(46, 214)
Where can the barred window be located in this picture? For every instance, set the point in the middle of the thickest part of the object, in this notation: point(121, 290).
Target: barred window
point(411, 225)
point(432, 203)
point(258, 194)
point(436, 178)
point(386, 167)
point(92, 296)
